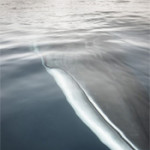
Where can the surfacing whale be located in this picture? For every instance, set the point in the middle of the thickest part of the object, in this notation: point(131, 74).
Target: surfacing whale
point(106, 95)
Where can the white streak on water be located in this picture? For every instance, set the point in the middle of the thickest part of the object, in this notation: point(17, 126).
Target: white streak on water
point(88, 111)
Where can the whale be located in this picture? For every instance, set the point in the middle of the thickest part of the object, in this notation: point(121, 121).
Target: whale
point(106, 94)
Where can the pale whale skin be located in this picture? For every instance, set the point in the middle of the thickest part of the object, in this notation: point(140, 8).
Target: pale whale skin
point(114, 88)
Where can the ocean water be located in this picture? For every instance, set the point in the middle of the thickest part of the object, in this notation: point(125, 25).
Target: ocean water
point(56, 56)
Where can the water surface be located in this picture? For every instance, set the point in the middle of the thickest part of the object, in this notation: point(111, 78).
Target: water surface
point(100, 43)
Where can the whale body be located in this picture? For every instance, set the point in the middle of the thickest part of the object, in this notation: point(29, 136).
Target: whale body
point(106, 95)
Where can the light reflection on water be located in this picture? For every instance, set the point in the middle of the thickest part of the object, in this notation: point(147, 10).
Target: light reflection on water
point(98, 37)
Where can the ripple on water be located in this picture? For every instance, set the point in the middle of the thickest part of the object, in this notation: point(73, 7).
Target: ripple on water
point(103, 44)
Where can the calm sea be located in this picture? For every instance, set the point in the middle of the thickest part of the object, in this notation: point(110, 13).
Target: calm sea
point(35, 114)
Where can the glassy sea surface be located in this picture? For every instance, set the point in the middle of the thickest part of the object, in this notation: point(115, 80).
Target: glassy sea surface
point(51, 49)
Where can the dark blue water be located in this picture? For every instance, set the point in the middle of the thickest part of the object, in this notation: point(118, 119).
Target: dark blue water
point(34, 112)
point(104, 45)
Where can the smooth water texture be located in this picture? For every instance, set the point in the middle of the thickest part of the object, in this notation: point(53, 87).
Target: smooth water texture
point(98, 47)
